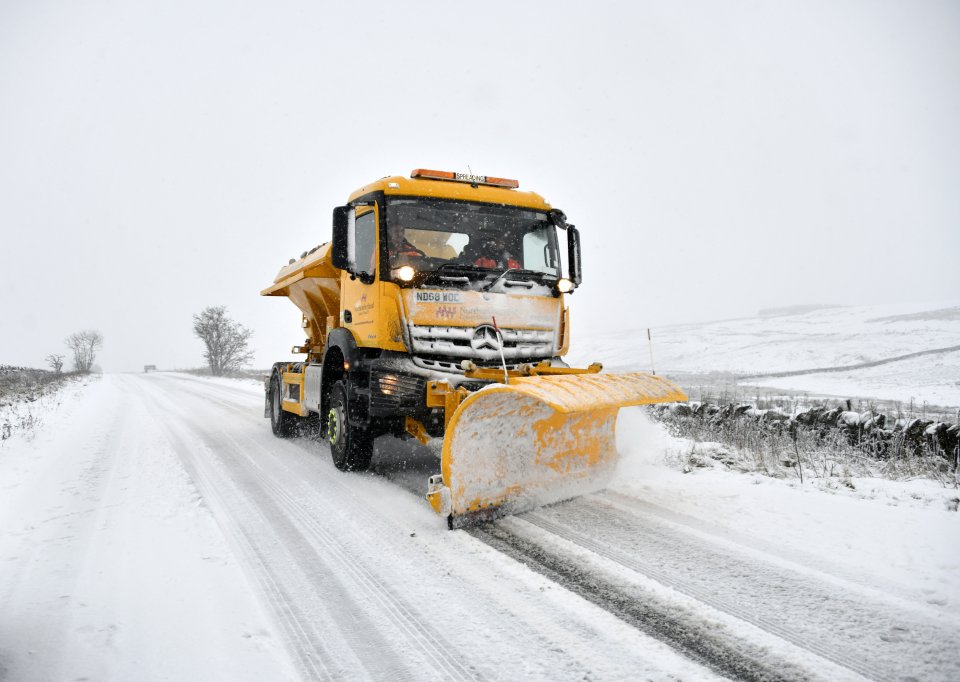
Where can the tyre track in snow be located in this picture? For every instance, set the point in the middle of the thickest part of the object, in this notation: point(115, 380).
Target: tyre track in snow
point(873, 586)
point(315, 661)
point(234, 398)
point(533, 640)
point(205, 383)
point(651, 615)
point(324, 565)
point(409, 622)
point(872, 637)
point(248, 526)
point(329, 551)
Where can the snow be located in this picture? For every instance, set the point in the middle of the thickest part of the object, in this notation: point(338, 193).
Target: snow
point(930, 379)
point(896, 530)
point(111, 566)
point(809, 339)
point(153, 528)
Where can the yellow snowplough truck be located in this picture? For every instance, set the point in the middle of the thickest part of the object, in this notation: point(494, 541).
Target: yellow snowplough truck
point(437, 310)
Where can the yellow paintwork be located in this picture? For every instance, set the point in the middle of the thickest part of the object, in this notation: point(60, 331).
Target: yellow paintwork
point(392, 317)
point(564, 332)
point(438, 495)
point(443, 189)
point(528, 370)
point(561, 431)
point(439, 394)
point(458, 308)
point(295, 407)
point(313, 284)
point(416, 429)
point(363, 300)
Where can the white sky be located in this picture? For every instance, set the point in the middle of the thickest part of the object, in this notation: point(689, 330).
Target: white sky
point(159, 157)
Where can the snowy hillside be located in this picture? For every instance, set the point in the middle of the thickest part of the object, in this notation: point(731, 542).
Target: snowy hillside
point(805, 339)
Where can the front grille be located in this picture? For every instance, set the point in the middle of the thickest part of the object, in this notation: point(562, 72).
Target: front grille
point(518, 344)
point(453, 366)
point(397, 392)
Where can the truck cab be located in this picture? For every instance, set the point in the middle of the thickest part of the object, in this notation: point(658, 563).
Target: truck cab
point(428, 279)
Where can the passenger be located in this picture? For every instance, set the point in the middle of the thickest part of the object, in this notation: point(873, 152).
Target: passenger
point(493, 254)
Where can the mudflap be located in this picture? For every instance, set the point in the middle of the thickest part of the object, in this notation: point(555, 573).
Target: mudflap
point(539, 440)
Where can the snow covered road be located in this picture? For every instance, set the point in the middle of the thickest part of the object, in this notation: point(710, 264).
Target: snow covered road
point(155, 529)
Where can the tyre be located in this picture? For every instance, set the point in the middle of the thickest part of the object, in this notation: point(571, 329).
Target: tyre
point(350, 446)
point(282, 422)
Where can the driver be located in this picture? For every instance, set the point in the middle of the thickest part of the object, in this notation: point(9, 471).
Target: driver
point(398, 245)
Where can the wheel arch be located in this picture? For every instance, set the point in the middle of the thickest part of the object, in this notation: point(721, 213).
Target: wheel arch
point(341, 352)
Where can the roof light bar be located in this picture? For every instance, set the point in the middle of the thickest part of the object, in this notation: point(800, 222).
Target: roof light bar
point(465, 177)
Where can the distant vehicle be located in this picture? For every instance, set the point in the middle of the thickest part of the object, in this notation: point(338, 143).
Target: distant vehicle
point(149, 368)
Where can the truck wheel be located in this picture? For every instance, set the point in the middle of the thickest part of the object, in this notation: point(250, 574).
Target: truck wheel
point(350, 446)
point(281, 421)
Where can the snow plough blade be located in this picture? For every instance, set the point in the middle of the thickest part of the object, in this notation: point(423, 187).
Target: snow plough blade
point(538, 440)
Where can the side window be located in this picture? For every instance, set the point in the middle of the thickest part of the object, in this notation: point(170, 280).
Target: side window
point(539, 252)
point(365, 240)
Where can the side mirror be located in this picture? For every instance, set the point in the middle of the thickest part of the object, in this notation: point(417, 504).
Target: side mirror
point(558, 218)
point(573, 254)
point(340, 247)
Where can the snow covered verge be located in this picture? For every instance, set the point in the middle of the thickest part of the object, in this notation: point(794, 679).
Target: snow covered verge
point(28, 395)
point(111, 565)
point(902, 532)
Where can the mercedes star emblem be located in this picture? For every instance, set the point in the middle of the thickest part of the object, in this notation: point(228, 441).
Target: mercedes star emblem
point(485, 340)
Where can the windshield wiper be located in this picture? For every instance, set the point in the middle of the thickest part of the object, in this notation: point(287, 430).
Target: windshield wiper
point(455, 266)
point(497, 280)
point(458, 270)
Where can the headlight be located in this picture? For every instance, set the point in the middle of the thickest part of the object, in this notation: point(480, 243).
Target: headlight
point(564, 285)
point(405, 273)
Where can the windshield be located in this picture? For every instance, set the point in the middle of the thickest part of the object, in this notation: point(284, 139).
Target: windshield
point(460, 238)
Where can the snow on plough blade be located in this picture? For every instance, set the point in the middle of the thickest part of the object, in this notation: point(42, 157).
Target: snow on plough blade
point(539, 440)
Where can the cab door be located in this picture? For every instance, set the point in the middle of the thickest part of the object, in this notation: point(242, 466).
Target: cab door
point(359, 290)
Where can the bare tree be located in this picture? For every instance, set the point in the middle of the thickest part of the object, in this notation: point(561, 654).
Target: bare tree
point(226, 340)
point(84, 345)
point(55, 360)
